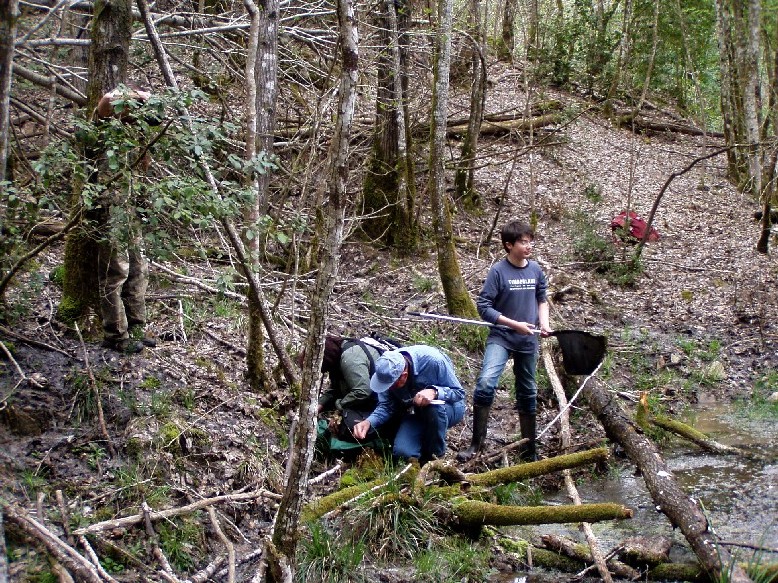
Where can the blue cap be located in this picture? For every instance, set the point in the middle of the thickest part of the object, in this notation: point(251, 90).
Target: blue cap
point(388, 368)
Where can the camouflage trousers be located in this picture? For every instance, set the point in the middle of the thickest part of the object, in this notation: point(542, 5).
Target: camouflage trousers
point(123, 276)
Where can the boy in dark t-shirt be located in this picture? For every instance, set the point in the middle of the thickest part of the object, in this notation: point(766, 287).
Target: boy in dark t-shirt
point(513, 298)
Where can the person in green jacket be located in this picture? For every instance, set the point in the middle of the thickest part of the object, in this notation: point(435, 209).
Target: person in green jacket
point(349, 364)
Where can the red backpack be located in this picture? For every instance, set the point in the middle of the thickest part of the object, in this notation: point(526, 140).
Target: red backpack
point(637, 228)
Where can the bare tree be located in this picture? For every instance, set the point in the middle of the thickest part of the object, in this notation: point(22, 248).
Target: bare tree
point(458, 299)
point(9, 13)
point(330, 231)
point(262, 85)
point(464, 180)
point(507, 40)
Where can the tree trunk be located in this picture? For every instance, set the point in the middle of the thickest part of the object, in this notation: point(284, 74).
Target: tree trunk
point(262, 84)
point(732, 107)
point(9, 13)
point(330, 227)
point(507, 42)
point(465, 174)
point(386, 194)
point(108, 59)
point(665, 491)
point(458, 298)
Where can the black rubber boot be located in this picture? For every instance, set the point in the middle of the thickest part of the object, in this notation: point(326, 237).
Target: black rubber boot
point(480, 421)
point(528, 452)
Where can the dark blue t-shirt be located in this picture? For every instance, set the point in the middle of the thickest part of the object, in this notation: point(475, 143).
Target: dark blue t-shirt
point(515, 293)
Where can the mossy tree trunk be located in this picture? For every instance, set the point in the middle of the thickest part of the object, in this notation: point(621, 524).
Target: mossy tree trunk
point(458, 298)
point(9, 13)
point(330, 232)
point(478, 513)
point(389, 196)
point(108, 59)
point(506, 42)
point(262, 91)
point(465, 174)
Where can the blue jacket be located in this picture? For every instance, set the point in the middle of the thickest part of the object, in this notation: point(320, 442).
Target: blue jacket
point(429, 368)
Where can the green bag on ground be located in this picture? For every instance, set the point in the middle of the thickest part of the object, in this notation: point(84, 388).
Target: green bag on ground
point(330, 446)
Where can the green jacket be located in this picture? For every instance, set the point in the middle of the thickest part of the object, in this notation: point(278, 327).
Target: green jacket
point(351, 389)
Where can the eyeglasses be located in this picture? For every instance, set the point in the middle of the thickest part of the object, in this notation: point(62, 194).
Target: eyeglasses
point(526, 243)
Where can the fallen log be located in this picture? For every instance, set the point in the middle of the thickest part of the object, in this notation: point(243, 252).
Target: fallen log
point(629, 119)
point(667, 494)
point(539, 468)
point(582, 553)
point(506, 127)
point(477, 513)
point(71, 559)
point(331, 502)
point(566, 438)
point(697, 437)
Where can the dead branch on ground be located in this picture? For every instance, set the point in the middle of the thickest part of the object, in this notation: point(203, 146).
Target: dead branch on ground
point(596, 555)
point(667, 494)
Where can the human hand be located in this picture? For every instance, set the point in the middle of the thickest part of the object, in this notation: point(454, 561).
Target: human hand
point(425, 396)
point(524, 328)
point(546, 331)
point(361, 429)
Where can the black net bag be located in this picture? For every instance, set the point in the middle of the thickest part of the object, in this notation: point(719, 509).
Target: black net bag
point(582, 352)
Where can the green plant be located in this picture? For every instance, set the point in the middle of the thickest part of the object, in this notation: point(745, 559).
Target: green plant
point(762, 404)
point(472, 338)
point(84, 405)
point(32, 483)
point(588, 245)
point(517, 494)
point(161, 403)
point(431, 335)
point(624, 273)
point(271, 418)
point(111, 566)
point(182, 540)
point(394, 525)
point(186, 397)
point(454, 560)
point(325, 556)
point(95, 455)
point(593, 193)
point(150, 382)
point(423, 284)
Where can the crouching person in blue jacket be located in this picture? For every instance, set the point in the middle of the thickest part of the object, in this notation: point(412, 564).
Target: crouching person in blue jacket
point(417, 386)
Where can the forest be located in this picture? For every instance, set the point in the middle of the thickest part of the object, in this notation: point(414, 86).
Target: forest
point(298, 169)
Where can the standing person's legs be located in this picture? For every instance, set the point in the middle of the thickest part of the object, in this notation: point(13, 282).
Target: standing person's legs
point(134, 288)
point(524, 366)
point(495, 357)
point(113, 269)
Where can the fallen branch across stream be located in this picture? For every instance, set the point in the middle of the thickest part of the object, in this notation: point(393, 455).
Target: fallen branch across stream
point(667, 494)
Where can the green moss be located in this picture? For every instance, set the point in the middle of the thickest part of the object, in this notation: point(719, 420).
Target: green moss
point(70, 310)
point(57, 276)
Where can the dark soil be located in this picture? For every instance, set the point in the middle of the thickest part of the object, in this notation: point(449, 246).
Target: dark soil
point(179, 423)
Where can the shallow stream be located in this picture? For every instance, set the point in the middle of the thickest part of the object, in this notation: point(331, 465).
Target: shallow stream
point(739, 495)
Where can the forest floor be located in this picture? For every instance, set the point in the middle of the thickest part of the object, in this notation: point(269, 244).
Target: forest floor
point(698, 325)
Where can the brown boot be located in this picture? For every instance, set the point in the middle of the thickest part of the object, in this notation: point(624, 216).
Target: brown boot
point(480, 421)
